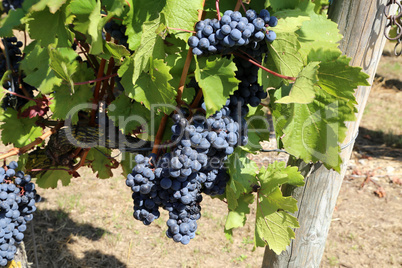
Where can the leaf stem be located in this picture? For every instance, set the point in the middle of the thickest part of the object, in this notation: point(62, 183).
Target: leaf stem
point(182, 30)
point(19, 95)
point(249, 59)
point(218, 12)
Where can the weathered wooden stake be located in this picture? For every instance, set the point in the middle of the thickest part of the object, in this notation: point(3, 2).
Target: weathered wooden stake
point(362, 24)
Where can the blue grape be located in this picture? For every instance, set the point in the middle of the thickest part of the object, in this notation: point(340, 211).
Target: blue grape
point(258, 24)
point(235, 34)
point(225, 20)
point(193, 41)
point(270, 36)
point(273, 21)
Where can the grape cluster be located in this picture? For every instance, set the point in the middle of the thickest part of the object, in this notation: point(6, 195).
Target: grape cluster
point(17, 203)
point(117, 31)
point(232, 31)
point(14, 55)
point(194, 166)
point(11, 5)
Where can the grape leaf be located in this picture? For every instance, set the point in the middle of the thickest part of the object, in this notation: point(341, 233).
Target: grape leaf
point(18, 131)
point(151, 48)
point(140, 12)
point(101, 162)
point(237, 218)
point(258, 129)
point(153, 88)
point(242, 176)
point(63, 63)
point(283, 58)
point(273, 227)
point(217, 80)
point(312, 131)
point(318, 32)
point(50, 178)
point(10, 21)
point(282, 4)
point(181, 14)
point(36, 67)
point(80, 99)
point(113, 50)
point(56, 30)
point(87, 20)
point(126, 114)
point(53, 5)
point(303, 90)
point(339, 79)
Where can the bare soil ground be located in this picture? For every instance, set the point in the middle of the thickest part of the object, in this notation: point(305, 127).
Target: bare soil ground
point(90, 223)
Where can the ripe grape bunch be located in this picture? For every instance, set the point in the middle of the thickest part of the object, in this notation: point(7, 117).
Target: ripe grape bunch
point(232, 31)
point(17, 203)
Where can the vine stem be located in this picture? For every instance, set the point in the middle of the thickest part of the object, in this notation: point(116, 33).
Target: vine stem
point(162, 126)
point(264, 68)
point(38, 140)
point(101, 71)
point(83, 155)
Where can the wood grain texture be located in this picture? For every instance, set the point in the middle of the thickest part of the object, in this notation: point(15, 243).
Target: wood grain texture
point(362, 24)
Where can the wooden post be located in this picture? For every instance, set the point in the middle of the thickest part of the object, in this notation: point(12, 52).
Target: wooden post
point(362, 23)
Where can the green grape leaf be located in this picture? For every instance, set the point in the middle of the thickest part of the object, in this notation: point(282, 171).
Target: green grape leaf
point(36, 67)
point(66, 104)
point(113, 50)
point(217, 80)
point(101, 162)
point(53, 5)
point(242, 173)
point(50, 178)
point(57, 31)
point(88, 20)
point(10, 21)
point(258, 129)
point(237, 218)
point(153, 88)
point(63, 63)
point(188, 11)
point(18, 131)
point(273, 227)
point(303, 90)
point(141, 12)
point(126, 114)
point(282, 4)
point(318, 32)
point(339, 79)
point(283, 58)
point(151, 47)
point(312, 131)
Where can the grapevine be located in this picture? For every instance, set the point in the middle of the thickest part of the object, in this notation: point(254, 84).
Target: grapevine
point(184, 98)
